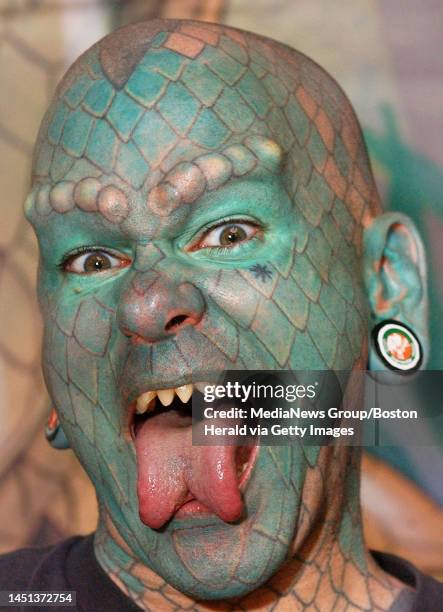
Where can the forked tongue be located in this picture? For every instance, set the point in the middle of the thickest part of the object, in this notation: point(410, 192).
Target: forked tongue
point(170, 471)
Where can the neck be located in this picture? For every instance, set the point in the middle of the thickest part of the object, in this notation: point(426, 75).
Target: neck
point(329, 566)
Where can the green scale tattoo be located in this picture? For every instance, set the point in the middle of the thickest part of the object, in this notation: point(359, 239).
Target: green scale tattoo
point(204, 202)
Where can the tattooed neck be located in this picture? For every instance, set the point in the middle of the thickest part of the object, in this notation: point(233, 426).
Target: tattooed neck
point(329, 566)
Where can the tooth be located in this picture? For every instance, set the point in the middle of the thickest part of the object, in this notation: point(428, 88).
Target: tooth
point(184, 392)
point(166, 396)
point(140, 409)
point(144, 400)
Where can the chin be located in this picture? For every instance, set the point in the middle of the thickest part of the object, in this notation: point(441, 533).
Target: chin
point(207, 558)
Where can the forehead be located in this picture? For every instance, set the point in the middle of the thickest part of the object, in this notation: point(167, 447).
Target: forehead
point(168, 112)
point(178, 98)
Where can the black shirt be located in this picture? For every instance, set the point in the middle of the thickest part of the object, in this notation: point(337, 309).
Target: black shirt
point(71, 566)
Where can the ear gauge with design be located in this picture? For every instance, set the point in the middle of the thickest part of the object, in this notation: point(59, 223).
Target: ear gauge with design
point(397, 346)
point(54, 432)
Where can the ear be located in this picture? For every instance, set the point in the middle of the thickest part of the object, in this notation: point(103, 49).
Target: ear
point(395, 277)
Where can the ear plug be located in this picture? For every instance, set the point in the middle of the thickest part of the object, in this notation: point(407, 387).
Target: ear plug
point(54, 432)
point(397, 346)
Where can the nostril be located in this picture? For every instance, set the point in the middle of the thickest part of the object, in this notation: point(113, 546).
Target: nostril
point(127, 332)
point(175, 322)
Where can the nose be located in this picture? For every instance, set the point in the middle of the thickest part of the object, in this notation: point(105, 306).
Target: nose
point(155, 308)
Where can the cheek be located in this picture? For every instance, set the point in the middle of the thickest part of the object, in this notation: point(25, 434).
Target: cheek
point(233, 294)
point(77, 339)
point(335, 327)
point(247, 297)
point(81, 371)
point(308, 315)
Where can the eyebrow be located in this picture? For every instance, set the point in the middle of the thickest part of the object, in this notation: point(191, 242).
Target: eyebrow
point(185, 183)
point(188, 181)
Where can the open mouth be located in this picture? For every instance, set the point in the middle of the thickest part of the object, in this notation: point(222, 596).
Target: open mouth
point(176, 478)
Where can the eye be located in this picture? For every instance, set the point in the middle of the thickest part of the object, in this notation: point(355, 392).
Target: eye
point(93, 261)
point(226, 235)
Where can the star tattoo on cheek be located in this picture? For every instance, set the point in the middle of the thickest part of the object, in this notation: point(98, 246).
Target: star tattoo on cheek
point(262, 273)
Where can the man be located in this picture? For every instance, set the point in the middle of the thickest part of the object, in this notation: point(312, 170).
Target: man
point(203, 202)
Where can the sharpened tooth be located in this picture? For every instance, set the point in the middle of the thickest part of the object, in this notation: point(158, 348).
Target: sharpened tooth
point(144, 400)
point(184, 392)
point(166, 396)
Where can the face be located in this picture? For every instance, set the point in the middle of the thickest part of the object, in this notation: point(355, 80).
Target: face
point(195, 216)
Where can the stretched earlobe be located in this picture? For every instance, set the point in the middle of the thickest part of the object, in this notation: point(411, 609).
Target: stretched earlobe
point(395, 278)
point(54, 432)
